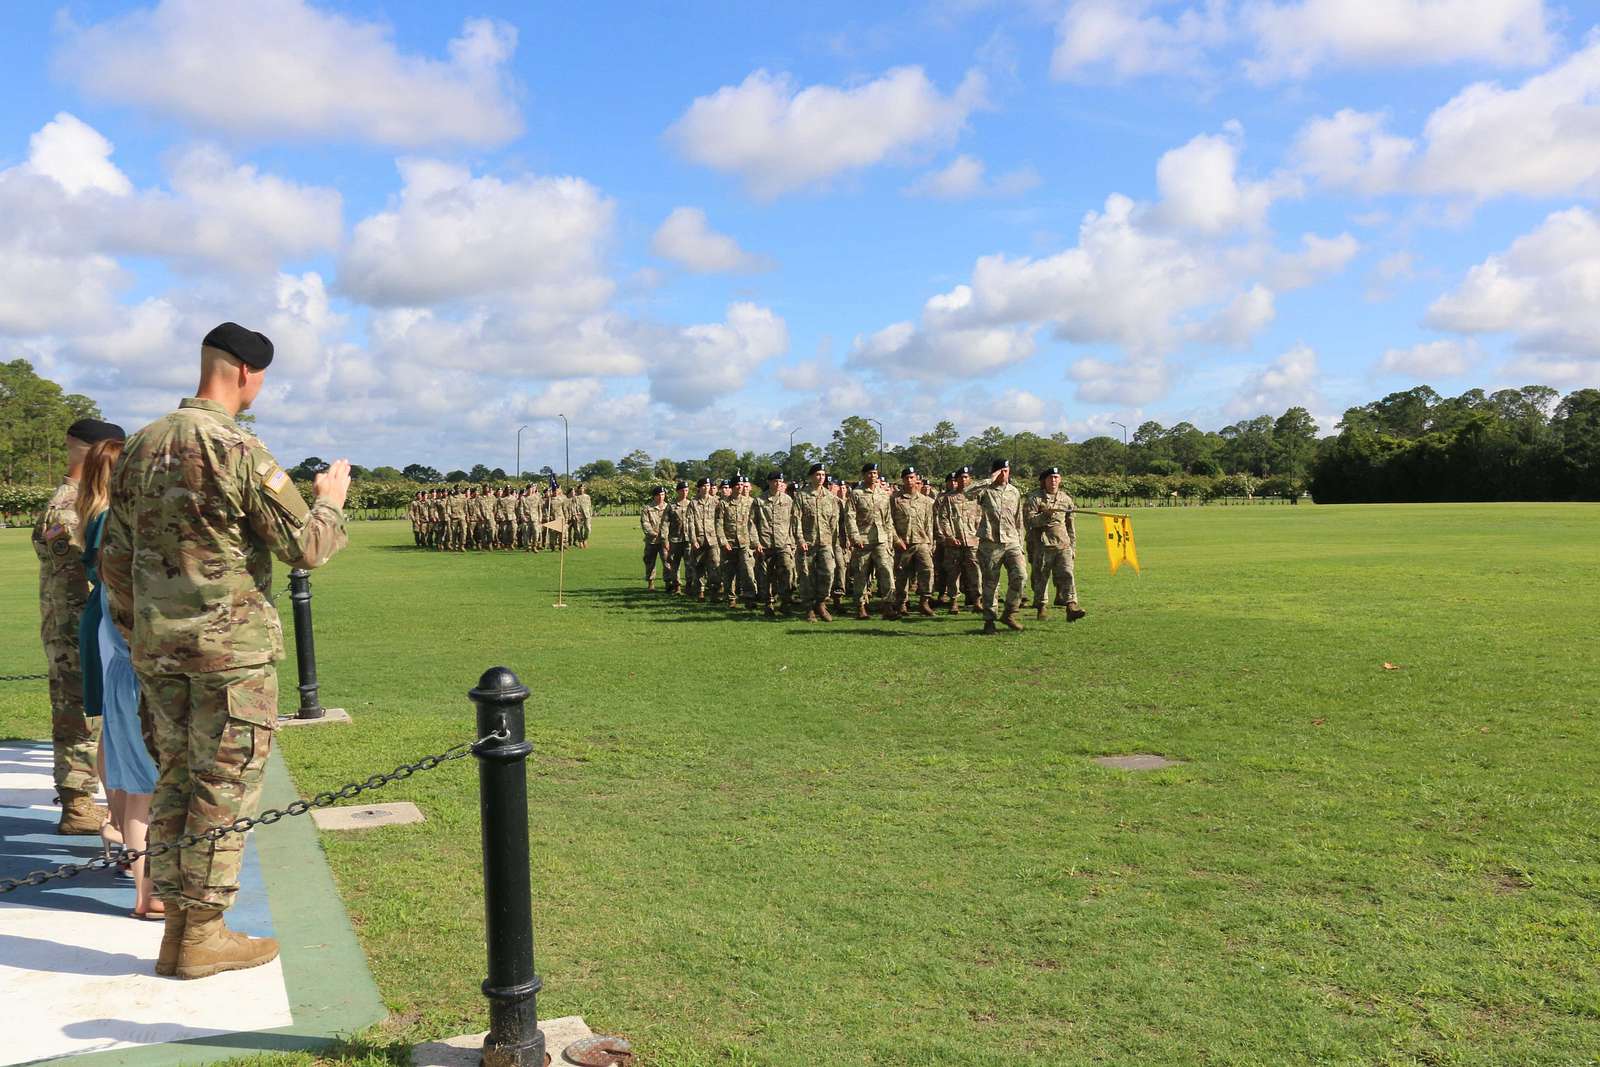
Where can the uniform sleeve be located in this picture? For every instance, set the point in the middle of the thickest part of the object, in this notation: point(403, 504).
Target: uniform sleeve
point(277, 513)
point(972, 491)
point(1033, 515)
point(644, 523)
point(851, 532)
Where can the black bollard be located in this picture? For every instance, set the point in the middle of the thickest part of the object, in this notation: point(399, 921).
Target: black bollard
point(305, 648)
point(512, 986)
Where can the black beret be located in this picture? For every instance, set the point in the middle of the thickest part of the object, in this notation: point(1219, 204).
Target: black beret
point(680, 484)
point(865, 467)
point(963, 469)
point(703, 481)
point(741, 478)
point(952, 476)
point(1049, 471)
point(907, 470)
point(774, 476)
point(819, 468)
point(659, 490)
point(999, 465)
point(93, 431)
point(246, 346)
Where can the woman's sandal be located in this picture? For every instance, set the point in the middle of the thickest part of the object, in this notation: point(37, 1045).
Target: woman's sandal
point(153, 915)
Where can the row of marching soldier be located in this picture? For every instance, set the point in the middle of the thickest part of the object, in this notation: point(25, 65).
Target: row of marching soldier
point(155, 578)
point(502, 518)
point(827, 542)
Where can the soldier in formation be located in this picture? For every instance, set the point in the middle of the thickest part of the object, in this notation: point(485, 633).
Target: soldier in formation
point(807, 547)
point(505, 518)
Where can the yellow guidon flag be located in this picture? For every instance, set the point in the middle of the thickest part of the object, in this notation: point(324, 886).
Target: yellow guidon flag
point(1119, 542)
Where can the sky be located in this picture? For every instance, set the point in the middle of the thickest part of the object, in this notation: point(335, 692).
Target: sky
point(706, 225)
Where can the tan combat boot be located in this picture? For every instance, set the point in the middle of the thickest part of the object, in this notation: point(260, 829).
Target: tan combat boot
point(1074, 613)
point(171, 938)
point(1041, 614)
point(209, 947)
point(955, 607)
point(1010, 622)
point(926, 607)
point(822, 611)
point(79, 813)
point(988, 625)
point(811, 616)
point(861, 610)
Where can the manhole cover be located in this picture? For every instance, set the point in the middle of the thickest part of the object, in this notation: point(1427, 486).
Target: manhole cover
point(600, 1051)
point(1139, 761)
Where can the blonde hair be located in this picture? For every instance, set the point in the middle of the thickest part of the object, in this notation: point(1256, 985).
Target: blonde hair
point(94, 487)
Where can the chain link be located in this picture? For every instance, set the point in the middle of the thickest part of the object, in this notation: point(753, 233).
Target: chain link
point(24, 677)
point(324, 799)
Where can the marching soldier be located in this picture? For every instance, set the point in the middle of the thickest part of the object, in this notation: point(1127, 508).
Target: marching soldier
point(505, 517)
point(817, 515)
point(199, 492)
point(675, 528)
point(527, 519)
point(582, 510)
point(63, 592)
point(705, 544)
point(871, 531)
point(737, 530)
point(774, 515)
point(652, 519)
point(956, 526)
point(1000, 540)
point(1048, 513)
point(912, 513)
point(456, 518)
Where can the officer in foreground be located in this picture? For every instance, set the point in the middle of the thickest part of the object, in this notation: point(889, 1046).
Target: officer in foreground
point(198, 509)
point(63, 591)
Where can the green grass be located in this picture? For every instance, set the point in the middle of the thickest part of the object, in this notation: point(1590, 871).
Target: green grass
point(773, 843)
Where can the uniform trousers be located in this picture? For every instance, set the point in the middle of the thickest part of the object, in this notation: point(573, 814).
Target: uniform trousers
point(915, 562)
point(822, 564)
point(961, 573)
point(705, 566)
point(654, 550)
point(739, 572)
point(673, 564)
point(875, 561)
point(993, 558)
point(778, 566)
point(74, 736)
point(1053, 562)
point(213, 733)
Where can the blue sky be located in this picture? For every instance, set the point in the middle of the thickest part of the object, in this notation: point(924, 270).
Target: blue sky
point(704, 226)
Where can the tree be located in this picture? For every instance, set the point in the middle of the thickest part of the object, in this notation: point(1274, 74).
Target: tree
point(1576, 428)
point(34, 416)
point(1294, 443)
point(1100, 455)
point(938, 450)
point(666, 470)
point(722, 463)
point(600, 468)
point(855, 442)
point(388, 474)
point(419, 473)
point(479, 474)
point(308, 468)
point(456, 476)
point(635, 464)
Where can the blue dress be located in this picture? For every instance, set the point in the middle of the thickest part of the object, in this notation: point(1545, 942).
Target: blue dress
point(104, 656)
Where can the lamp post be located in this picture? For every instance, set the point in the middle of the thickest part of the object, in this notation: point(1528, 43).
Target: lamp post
point(1114, 422)
point(519, 451)
point(788, 459)
point(879, 425)
point(566, 440)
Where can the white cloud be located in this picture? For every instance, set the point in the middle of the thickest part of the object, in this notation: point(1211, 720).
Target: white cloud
point(808, 375)
point(1428, 359)
point(283, 68)
point(694, 366)
point(1241, 320)
point(903, 351)
point(1201, 191)
point(686, 238)
point(1540, 139)
point(1135, 382)
point(1118, 38)
point(1295, 38)
point(1543, 291)
point(779, 138)
point(1319, 257)
point(966, 178)
point(76, 157)
point(1288, 381)
point(450, 236)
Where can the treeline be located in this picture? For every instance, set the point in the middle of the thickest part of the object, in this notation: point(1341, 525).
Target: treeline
point(1513, 444)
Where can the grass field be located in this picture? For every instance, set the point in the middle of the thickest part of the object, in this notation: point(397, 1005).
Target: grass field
point(766, 842)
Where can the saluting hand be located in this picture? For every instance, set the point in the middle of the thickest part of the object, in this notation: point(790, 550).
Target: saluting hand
point(333, 484)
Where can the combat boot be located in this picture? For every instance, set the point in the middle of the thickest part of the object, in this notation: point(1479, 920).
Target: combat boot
point(926, 607)
point(1009, 620)
point(171, 938)
point(861, 610)
point(955, 607)
point(811, 616)
point(650, 584)
point(1041, 614)
point(822, 611)
point(988, 625)
point(79, 813)
point(770, 613)
point(209, 947)
point(1074, 613)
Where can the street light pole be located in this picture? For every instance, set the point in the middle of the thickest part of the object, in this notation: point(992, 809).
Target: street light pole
point(1114, 422)
point(566, 440)
point(879, 425)
point(788, 459)
point(519, 451)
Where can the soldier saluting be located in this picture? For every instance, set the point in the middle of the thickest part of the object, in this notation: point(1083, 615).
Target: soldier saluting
point(198, 509)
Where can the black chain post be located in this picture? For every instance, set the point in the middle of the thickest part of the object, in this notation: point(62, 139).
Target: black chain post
point(512, 987)
point(305, 648)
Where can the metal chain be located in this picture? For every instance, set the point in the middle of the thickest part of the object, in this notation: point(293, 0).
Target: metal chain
point(24, 677)
point(265, 818)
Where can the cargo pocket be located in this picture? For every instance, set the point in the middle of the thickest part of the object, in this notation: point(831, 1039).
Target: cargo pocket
point(247, 736)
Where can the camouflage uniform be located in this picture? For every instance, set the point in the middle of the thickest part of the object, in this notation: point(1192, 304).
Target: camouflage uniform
point(737, 529)
point(1049, 518)
point(582, 508)
point(455, 512)
point(652, 519)
point(705, 548)
point(198, 509)
point(63, 591)
point(868, 522)
point(774, 514)
point(675, 535)
point(527, 520)
point(505, 515)
point(1000, 539)
point(955, 524)
point(817, 515)
point(913, 527)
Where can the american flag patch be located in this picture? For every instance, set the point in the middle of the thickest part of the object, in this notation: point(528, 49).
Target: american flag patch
point(54, 532)
point(277, 480)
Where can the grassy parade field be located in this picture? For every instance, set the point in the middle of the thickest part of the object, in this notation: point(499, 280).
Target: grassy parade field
point(762, 842)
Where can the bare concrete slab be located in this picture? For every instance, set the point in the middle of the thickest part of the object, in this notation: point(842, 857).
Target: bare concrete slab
point(329, 716)
point(367, 816)
point(1138, 761)
point(463, 1051)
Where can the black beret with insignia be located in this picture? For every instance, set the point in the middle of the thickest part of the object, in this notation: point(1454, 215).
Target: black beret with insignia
point(774, 476)
point(1048, 471)
point(247, 346)
point(868, 467)
point(659, 490)
point(703, 481)
point(93, 431)
point(907, 470)
point(680, 484)
point(999, 465)
point(819, 468)
point(963, 469)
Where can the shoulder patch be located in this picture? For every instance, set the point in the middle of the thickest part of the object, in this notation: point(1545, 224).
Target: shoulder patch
point(54, 532)
point(277, 480)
